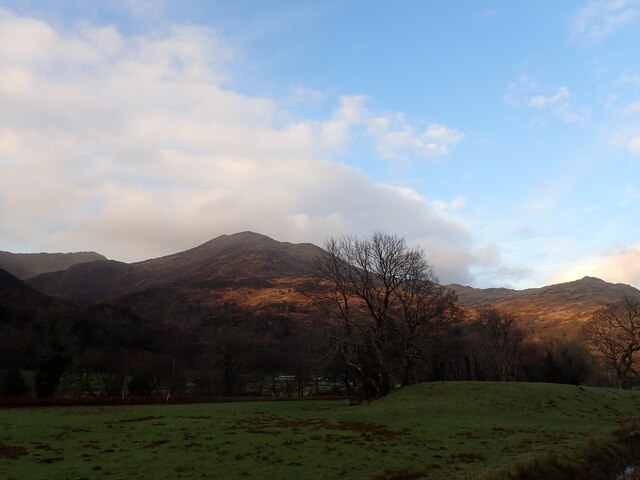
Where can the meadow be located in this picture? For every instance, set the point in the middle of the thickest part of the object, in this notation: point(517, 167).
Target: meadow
point(450, 430)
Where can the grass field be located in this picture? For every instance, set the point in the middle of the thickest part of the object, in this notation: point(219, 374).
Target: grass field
point(435, 431)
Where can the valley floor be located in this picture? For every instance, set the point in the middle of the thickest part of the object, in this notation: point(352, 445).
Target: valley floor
point(436, 431)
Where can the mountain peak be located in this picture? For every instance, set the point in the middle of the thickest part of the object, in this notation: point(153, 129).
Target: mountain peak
point(241, 240)
point(589, 279)
point(248, 234)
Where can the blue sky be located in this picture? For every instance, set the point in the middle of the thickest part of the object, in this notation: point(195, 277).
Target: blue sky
point(503, 137)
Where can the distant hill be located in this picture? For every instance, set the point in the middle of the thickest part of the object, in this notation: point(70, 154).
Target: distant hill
point(16, 294)
point(26, 265)
point(26, 317)
point(242, 259)
point(553, 310)
point(33, 324)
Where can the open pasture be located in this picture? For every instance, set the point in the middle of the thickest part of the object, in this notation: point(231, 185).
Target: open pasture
point(435, 431)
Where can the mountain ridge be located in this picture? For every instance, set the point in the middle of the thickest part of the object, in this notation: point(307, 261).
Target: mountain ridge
point(557, 308)
point(258, 272)
point(240, 256)
point(480, 297)
point(27, 265)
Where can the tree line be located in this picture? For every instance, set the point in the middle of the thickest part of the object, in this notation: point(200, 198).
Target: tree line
point(380, 320)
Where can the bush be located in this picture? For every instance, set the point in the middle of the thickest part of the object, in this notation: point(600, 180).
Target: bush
point(48, 375)
point(139, 385)
point(13, 385)
point(598, 458)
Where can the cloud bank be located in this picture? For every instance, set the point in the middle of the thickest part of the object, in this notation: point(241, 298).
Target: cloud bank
point(138, 147)
point(621, 265)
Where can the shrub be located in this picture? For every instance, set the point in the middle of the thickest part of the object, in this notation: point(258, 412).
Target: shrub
point(48, 375)
point(139, 385)
point(13, 384)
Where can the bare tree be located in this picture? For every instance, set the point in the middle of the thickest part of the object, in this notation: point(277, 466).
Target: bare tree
point(501, 339)
point(613, 332)
point(229, 345)
point(383, 301)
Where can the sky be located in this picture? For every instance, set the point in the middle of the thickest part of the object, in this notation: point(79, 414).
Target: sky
point(501, 137)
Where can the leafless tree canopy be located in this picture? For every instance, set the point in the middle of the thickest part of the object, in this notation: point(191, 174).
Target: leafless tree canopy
point(384, 305)
point(502, 340)
point(614, 334)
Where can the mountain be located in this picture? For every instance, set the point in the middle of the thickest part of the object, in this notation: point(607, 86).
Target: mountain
point(16, 294)
point(26, 319)
point(242, 291)
point(553, 310)
point(22, 306)
point(267, 278)
point(34, 325)
point(242, 259)
point(245, 294)
point(26, 265)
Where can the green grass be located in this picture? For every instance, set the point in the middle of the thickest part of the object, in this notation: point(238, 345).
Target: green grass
point(435, 431)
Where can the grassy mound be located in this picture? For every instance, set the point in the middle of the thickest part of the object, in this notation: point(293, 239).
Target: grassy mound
point(435, 431)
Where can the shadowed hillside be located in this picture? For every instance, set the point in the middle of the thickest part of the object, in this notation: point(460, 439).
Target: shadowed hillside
point(26, 265)
point(243, 258)
point(27, 317)
point(33, 326)
point(16, 294)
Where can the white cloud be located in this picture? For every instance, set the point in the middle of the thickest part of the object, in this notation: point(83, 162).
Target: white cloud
point(627, 194)
point(522, 93)
point(621, 265)
point(392, 135)
point(455, 204)
point(526, 231)
point(139, 8)
point(542, 101)
point(518, 92)
point(489, 255)
point(600, 18)
point(633, 79)
point(567, 113)
point(632, 108)
point(308, 95)
point(394, 138)
point(634, 146)
point(564, 110)
point(627, 137)
point(442, 134)
point(492, 270)
point(133, 147)
point(549, 194)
